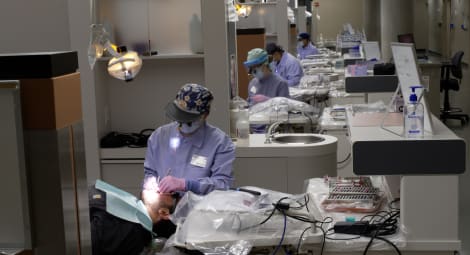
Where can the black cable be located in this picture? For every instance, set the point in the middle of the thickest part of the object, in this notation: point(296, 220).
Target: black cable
point(344, 160)
point(377, 214)
point(300, 239)
point(324, 238)
point(283, 232)
point(307, 199)
point(390, 226)
point(343, 239)
point(286, 251)
point(300, 204)
point(274, 210)
point(390, 205)
point(389, 242)
point(267, 218)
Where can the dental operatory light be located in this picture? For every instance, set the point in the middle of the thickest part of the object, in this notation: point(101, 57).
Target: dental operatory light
point(243, 10)
point(124, 65)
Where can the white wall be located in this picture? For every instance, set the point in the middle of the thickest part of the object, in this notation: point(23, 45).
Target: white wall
point(334, 13)
point(436, 25)
point(460, 39)
point(371, 19)
point(396, 18)
point(421, 23)
point(171, 26)
point(80, 20)
point(34, 26)
point(29, 25)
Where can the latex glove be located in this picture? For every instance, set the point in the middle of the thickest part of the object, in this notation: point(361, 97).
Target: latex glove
point(171, 184)
point(151, 184)
point(259, 98)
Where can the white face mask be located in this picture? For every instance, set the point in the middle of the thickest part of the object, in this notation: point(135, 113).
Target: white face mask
point(258, 73)
point(300, 44)
point(272, 66)
point(186, 128)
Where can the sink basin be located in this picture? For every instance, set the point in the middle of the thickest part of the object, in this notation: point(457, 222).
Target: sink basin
point(304, 139)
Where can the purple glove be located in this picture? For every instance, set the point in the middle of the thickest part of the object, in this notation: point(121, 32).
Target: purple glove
point(171, 184)
point(259, 98)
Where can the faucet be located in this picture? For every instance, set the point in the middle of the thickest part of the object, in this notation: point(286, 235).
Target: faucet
point(271, 129)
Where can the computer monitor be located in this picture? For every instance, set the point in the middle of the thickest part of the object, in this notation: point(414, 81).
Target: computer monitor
point(371, 50)
point(406, 38)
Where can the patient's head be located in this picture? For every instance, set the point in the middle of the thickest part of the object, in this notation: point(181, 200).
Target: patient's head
point(159, 205)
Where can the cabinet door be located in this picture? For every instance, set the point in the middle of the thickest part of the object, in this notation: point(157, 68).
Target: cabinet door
point(127, 177)
point(268, 173)
point(304, 168)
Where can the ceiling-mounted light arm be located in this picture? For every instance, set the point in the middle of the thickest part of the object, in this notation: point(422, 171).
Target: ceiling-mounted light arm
point(99, 39)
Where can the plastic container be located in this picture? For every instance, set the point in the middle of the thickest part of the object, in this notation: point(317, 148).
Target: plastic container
point(243, 128)
point(414, 117)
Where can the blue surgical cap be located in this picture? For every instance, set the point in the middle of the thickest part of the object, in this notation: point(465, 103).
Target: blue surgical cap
point(303, 36)
point(255, 57)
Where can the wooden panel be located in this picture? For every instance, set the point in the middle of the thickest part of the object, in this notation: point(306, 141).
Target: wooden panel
point(51, 103)
point(67, 100)
point(37, 103)
point(244, 44)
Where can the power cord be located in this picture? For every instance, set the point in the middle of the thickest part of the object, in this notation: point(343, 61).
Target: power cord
point(283, 233)
point(326, 220)
point(300, 240)
point(387, 227)
point(344, 160)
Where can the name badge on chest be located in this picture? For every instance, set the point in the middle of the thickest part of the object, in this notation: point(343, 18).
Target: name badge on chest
point(199, 161)
point(253, 90)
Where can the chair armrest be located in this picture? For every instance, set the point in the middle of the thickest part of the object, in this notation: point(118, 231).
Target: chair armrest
point(446, 64)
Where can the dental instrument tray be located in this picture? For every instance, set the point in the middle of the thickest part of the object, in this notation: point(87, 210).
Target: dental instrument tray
point(354, 194)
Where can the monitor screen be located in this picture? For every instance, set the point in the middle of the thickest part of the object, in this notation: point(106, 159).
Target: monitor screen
point(406, 38)
point(371, 50)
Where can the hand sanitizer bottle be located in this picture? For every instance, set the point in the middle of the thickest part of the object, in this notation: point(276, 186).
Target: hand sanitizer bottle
point(243, 128)
point(414, 116)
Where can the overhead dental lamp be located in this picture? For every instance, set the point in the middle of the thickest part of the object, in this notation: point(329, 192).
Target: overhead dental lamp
point(243, 10)
point(124, 64)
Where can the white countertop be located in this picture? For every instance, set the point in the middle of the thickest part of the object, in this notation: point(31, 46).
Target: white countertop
point(380, 151)
point(375, 133)
point(257, 148)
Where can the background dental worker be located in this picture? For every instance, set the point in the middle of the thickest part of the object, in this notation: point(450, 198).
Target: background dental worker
point(305, 47)
point(285, 65)
point(189, 154)
point(264, 84)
